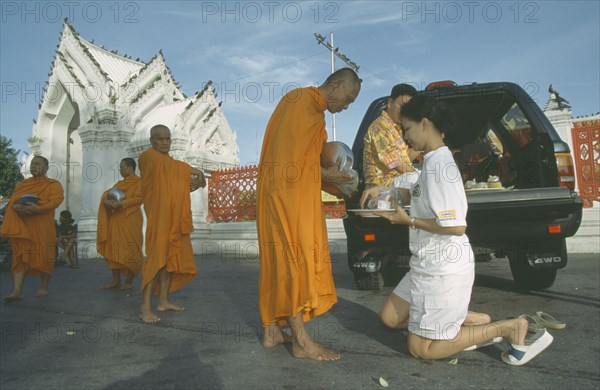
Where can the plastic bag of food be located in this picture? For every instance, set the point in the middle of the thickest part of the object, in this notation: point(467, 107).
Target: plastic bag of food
point(387, 199)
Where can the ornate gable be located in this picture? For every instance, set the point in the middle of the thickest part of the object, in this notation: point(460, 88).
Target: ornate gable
point(153, 87)
point(104, 101)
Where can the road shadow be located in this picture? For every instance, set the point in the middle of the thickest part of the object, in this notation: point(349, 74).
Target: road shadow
point(359, 319)
point(180, 369)
point(508, 285)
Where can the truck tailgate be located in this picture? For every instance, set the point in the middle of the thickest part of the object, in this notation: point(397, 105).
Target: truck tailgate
point(526, 213)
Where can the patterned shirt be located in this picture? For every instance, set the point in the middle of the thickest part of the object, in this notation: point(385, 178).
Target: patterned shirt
point(385, 153)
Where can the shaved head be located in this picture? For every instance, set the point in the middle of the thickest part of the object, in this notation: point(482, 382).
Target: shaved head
point(44, 159)
point(39, 166)
point(127, 167)
point(129, 162)
point(344, 74)
point(156, 128)
point(340, 89)
point(160, 138)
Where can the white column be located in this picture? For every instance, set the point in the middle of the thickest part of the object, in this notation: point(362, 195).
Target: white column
point(103, 147)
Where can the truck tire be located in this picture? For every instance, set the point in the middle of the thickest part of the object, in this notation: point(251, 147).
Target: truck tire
point(528, 278)
point(368, 280)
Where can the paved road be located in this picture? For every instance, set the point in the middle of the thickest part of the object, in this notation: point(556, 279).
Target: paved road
point(81, 337)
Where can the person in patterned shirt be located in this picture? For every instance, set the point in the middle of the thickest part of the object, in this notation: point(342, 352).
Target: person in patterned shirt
point(386, 155)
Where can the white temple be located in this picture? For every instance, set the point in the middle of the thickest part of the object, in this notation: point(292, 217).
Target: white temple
point(99, 107)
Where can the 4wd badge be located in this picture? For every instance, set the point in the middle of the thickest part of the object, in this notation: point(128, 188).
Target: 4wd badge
point(546, 261)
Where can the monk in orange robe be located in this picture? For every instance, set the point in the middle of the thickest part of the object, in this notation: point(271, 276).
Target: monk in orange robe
point(295, 282)
point(119, 236)
point(166, 187)
point(30, 226)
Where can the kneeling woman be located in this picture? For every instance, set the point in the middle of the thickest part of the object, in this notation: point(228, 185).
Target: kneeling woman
point(432, 299)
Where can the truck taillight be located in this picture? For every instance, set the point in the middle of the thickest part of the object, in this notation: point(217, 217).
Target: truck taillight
point(440, 84)
point(554, 229)
point(566, 170)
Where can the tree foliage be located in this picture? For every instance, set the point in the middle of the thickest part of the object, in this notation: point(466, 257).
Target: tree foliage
point(9, 167)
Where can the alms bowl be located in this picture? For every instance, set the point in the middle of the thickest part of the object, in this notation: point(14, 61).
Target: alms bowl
point(116, 194)
point(28, 199)
point(332, 151)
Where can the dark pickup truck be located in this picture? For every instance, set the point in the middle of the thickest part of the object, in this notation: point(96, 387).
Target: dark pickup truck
point(502, 132)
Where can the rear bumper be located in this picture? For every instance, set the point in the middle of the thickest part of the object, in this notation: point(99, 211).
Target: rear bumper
point(529, 218)
point(492, 223)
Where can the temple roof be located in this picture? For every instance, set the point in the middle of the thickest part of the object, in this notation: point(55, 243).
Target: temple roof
point(132, 97)
point(116, 67)
point(119, 68)
point(166, 115)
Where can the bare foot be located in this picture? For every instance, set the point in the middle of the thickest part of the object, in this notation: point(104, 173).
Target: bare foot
point(148, 317)
point(127, 286)
point(168, 305)
point(308, 349)
point(12, 297)
point(516, 331)
point(475, 318)
point(113, 284)
point(41, 293)
point(273, 336)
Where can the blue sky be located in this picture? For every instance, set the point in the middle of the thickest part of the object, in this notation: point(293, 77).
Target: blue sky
point(254, 51)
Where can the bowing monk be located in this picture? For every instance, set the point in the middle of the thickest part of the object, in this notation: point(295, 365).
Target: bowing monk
point(166, 187)
point(30, 227)
point(295, 282)
point(119, 237)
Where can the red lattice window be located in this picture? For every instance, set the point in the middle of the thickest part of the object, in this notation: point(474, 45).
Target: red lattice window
point(586, 153)
point(232, 196)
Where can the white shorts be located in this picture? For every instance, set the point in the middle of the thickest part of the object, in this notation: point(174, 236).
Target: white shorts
point(438, 304)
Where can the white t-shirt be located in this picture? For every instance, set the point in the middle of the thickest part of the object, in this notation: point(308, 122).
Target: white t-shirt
point(439, 194)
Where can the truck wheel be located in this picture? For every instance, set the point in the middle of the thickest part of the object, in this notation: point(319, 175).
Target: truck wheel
point(368, 280)
point(528, 278)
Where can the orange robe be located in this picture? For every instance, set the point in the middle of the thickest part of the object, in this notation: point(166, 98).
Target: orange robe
point(167, 204)
point(33, 237)
point(295, 264)
point(119, 237)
